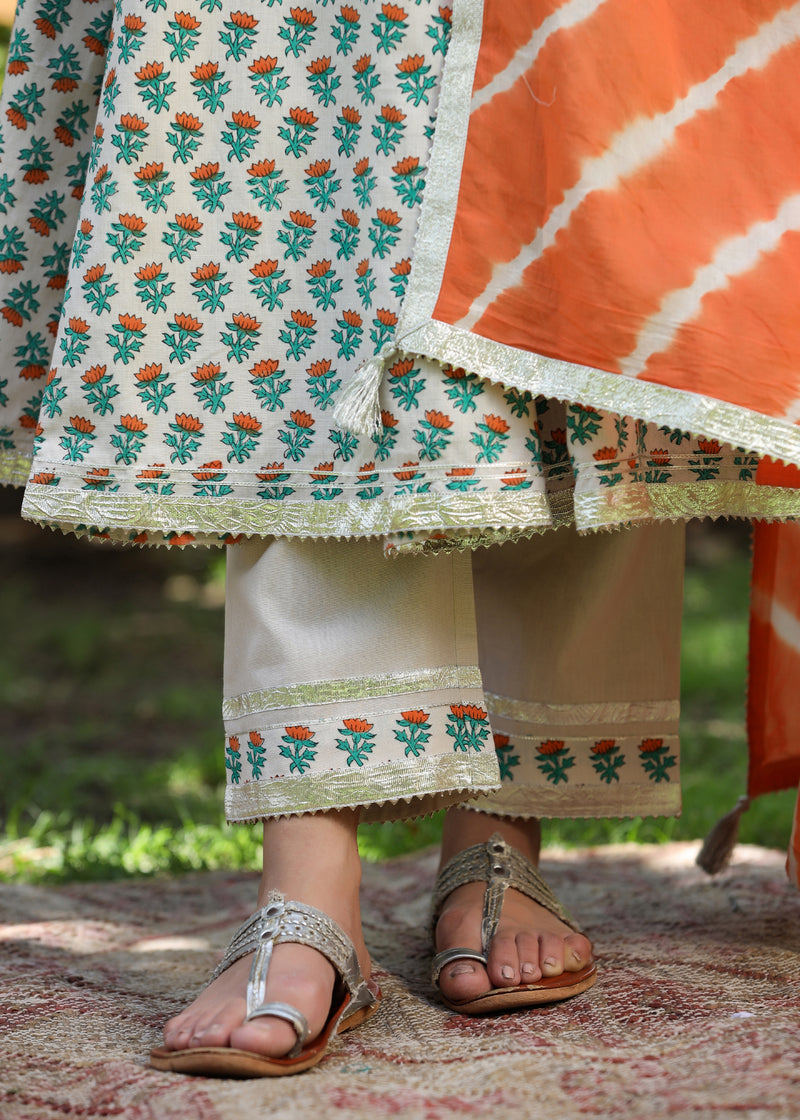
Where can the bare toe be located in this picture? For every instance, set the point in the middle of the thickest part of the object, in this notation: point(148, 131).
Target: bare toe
point(503, 967)
point(551, 954)
point(577, 952)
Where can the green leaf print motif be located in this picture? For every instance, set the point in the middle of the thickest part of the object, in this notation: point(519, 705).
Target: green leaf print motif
point(607, 760)
point(554, 759)
point(656, 759)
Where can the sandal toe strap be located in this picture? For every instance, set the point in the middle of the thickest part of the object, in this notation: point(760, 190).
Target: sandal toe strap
point(291, 1015)
point(441, 960)
point(282, 921)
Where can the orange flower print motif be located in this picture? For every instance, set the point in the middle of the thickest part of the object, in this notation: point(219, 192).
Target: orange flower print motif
point(298, 334)
point(346, 29)
point(388, 128)
point(390, 27)
point(130, 137)
point(490, 436)
point(128, 438)
point(298, 131)
point(357, 741)
point(608, 760)
point(433, 434)
point(272, 472)
point(256, 754)
point(241, 135)
point(78, 438)
point(462, 478)
point(416, 79)
point(298, 30)
point(516, 479)
point(238, 36)
point(184, 437)
point(298, 434)
point(706, 466)
point(708, 446)
point(299, 747)
point(408, 472)
point(297, 234)
point(554, 759)
point(384, 231)
point(605, 454)
point(401, 271)
point(656, 759)
point(233, 762)
point(242, 436)
point(385, 323)
point(413, 730)
point(506, 759)
point(468, 727)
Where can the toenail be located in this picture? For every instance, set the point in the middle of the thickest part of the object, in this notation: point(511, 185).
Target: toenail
point(461, 969)
point(507, 972)
point(528, 967)
point(551, 962)
point(577, 957)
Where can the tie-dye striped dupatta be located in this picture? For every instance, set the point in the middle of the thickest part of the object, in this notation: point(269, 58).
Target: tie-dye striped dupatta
point(626, 229)
point(773, 711)
point(626, 233)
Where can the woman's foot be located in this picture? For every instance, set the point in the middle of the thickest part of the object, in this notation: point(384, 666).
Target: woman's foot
point(530, 941)
point(311, 859)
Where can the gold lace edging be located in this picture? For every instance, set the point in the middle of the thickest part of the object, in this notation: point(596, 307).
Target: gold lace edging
point(352, 688)
point(118, 516)
point(664, 501)
point(450, 777)
point(15, 467)
point(572, 715)
point(530, 802)
point(645, 400)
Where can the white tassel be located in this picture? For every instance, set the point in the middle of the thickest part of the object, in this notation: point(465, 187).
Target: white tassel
point(358, 409)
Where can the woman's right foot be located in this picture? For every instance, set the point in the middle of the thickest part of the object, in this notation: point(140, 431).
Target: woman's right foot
point(311, 859)
point(530, 942)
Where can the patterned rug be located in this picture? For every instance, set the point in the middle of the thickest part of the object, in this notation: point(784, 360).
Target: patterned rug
point(696, 1012)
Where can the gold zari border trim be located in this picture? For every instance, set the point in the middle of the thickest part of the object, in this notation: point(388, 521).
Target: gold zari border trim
point(635, 711)
point(118, 515)
point(664, 501)
point(655, 800)
point(390, 782)
point(15, 467)
point(351, 688)
point(480, 520)
point(549, 377)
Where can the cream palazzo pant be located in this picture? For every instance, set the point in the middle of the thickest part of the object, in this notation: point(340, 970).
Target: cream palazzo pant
point(532, 679)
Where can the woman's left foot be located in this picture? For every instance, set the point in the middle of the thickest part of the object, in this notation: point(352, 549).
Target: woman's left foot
point(530, 942)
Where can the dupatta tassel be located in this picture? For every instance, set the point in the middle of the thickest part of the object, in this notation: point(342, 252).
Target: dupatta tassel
point(718, 846)
point(358, 408)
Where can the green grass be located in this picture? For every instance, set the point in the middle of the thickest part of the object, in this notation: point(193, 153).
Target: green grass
point(110, 699)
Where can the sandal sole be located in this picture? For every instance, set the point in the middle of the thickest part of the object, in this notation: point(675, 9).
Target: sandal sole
point(548, 990)
point(225, 1061)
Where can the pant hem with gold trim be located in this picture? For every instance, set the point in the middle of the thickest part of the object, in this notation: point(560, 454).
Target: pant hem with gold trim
point(532, 679)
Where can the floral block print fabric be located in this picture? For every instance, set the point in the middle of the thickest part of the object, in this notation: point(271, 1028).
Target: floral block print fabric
point(209, 215)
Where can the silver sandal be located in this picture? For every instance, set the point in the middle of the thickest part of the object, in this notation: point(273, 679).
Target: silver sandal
point(354, 998)
point(500, 866)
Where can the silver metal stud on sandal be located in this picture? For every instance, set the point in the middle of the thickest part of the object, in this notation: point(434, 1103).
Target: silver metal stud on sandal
point(500, 866)
point(354, 998)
